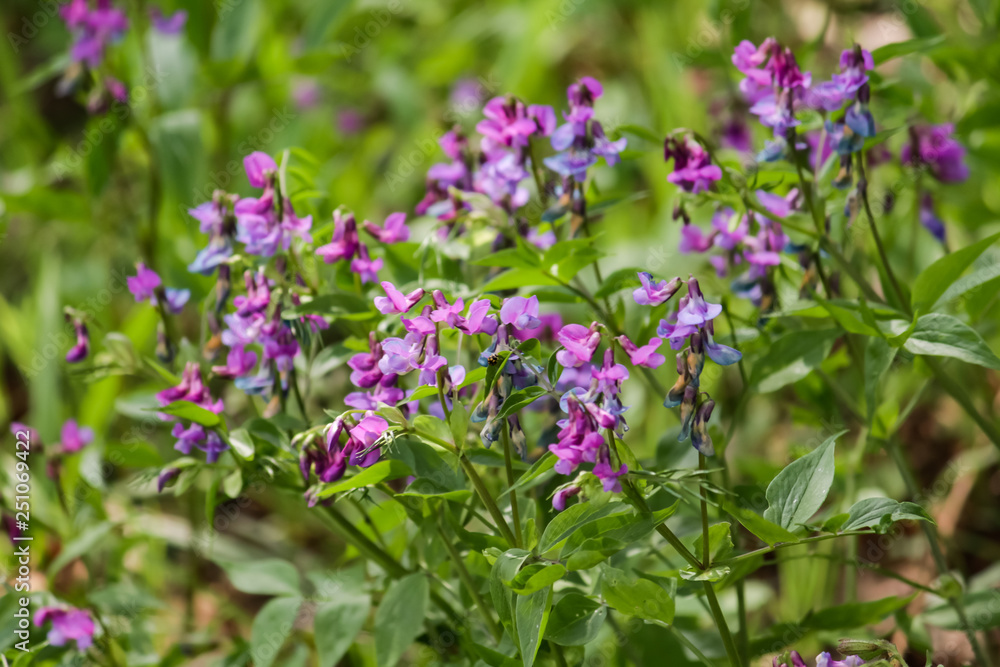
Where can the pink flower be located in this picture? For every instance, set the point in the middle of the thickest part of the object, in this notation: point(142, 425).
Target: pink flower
point(396, 301)
point(521, 313)
point(344, 243)
point(654, 293)
point(259, 166)
point(477, 320)
point(143, 284)
point(579, 342)
point(68, 624)
point(645, 355)
point(74, 438)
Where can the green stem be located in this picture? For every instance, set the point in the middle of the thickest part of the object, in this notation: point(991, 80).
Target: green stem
point(774, 547)
point(484, 495)
point(691, 647)
point(958, 392)
point(720, 619)
point(883, 257)
point(706, 551)
point(515, 511)
point(934, 540)
point(463, 574)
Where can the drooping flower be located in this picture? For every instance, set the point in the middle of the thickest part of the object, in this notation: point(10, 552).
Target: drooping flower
point(68, 624)
point(562, 495)
point(164, 478)
point(73, 437)
point(693, 168)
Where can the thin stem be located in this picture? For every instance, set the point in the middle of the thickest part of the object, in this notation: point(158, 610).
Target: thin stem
point(774, 547)
point(515, 512)
point(958, 392)
point(706, 551)
point(863, 190)
point(484, 495)
point(463, 574)
point(691, 647)
point(720, 619)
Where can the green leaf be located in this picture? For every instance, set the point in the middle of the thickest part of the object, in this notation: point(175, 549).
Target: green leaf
point(516, 278)
point(179, 153)
point(531, 615)
point(940, 335)
point(618, 280)
point(791, 358)
point(242, 444)
point(536, 576)
point(635, 596)
point(720, 541)
point(271, 629)
point(459, 423)
point(939, 276)
point(519, 400)
point(855, 614)
point(624, 527)
point(575, 620)
point(898, 49)
point(514, 258)
point(568, 521)
point(263, 576)
point(380, 472)
point(851, 321)
point(505, 569)
point(967, 283)
point(400, 617)
point(767, 531)
point(87, 541)
point(871, 512)
point(188, 411)
point(799, 490)
point(878, 358)
point(712, 574)
point(337, 624)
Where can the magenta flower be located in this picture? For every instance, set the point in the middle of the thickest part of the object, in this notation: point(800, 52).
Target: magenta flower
point(609, 476)
point(550, 323)
point(449, 313)
point(778, 205)
point(68, 624)
point(73, 438)
point(562, 495)
point(395, 301)
point(195, 435)
point(144, 283)
point(191, 389)
point(259, 167)
point(653, 293)
point(697, 312)
point(693, 168)
point(363, 436)
point(645, 355)
point(694, 240)
point(521, 313)
point(345, 242)
point(423, 325)
point(579, 342)
point(726, 237)
point(394, 230)
point(93, 29)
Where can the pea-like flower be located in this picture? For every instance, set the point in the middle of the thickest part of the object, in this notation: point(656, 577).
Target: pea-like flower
point(73, 437)
point(68, 624)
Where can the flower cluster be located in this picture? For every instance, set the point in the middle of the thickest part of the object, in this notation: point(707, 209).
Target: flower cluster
point(329, 460)
point(94, 29)
point(193, 389)
point(933, 148)
point(581, 139)
point(346, 244)
point(822, 660)
point(693, 168)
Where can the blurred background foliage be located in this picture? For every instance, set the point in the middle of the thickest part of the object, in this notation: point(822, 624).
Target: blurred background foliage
point(367, 88)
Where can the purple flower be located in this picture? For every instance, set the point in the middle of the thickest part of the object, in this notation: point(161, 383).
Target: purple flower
point(196, 436)
point(363, 436)
point(579, 342)
point(239, 362)
point(191, 389)
point(446, 312)
point(144, 283)
point(693, 168)
point(645, 355)
point(345, 242)
point(118, 90)
point(79, 351)
point(521, 313)
point(93, 29)
point(654, 293)
point(259, 167)
point(562, 495)
point(696, 311)
point(935, 147)
point(168, 25)
point(581, 140)
point(73, 438)
point(395, 301)
point(365, 266)
point(694, 240)
point(176, 298)
point(477, 320)
point(165, 477)
point(394, 230)
point(68, 624)
point(727, 237)
point(609, 476)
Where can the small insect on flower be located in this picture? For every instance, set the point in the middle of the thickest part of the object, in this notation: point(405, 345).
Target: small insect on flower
point(493, 359)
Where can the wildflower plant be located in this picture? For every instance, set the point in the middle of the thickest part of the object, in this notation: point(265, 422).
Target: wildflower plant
point(526, 444)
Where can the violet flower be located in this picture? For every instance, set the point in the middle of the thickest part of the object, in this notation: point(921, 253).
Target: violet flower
point(693, 168)
point(654, 293)
point(168, 25)
point(344, 244)
point(395, 301)
point(393, 230)
point(579, 344)
point(81, 349)
point(934, 146)
point(93, 29)
point(520, 313)
point(929, 218)
point(144, 283)
point(645, 355)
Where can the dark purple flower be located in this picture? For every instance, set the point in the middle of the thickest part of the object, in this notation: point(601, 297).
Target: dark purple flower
point(936, 148)
point(79, 351)
point(929, 218)
point(164, 478)
point(68, 624)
